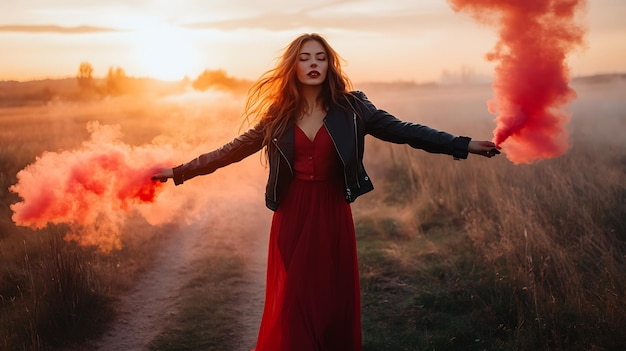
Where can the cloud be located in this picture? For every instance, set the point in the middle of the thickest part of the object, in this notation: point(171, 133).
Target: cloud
point(55, 29)
point(345, 15)
point(318, 19)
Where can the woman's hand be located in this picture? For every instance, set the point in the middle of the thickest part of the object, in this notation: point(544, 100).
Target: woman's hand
point(164, 174)
point(483, 147)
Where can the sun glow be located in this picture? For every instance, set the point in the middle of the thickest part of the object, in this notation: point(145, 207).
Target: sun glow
point(164, 51)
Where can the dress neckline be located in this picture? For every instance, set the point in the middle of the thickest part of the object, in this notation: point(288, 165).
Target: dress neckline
point(307, 137)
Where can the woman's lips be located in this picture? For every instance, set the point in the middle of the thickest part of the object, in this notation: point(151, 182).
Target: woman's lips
point(313, 74)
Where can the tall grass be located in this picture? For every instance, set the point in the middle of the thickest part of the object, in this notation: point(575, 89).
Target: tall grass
point(539, 249)
point(558, 230)
point(51, 296)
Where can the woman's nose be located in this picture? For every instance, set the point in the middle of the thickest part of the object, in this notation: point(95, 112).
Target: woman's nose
point(313, 64)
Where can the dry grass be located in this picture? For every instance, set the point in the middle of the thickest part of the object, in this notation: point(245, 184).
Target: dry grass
point(484, 254)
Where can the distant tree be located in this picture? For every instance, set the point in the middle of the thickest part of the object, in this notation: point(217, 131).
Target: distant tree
point(116, 81)
point(85, 78)
point(219, 80)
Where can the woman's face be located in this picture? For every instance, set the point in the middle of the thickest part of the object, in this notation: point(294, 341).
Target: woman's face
point(312, 63)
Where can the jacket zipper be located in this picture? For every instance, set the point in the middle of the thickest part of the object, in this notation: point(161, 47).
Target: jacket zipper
point(275, 141)
point(356, 147)
point(345, 177)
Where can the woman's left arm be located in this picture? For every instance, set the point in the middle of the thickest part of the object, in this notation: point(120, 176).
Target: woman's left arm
point(385, 126)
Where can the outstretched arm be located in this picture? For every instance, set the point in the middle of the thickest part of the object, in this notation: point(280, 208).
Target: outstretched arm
point(241, 147)
point(384, 126)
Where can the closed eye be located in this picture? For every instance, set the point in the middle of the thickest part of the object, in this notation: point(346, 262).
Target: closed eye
point(320, 56)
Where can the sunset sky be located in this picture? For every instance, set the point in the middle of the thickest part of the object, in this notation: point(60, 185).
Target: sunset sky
point(390, 40)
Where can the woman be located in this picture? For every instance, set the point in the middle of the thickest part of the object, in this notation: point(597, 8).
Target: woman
point(312, 128)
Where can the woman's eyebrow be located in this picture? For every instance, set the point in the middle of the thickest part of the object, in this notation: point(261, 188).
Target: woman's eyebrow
point(317, 53)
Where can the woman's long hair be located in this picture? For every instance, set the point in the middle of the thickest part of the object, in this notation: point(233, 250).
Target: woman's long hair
point(276, 99)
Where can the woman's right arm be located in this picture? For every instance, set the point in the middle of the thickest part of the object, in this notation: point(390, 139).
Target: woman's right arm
point(241, 147)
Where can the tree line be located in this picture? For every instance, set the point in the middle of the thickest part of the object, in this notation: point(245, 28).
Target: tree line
point(117, 82)
point(86, 86)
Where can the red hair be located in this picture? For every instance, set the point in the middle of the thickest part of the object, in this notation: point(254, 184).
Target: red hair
point(276, 100)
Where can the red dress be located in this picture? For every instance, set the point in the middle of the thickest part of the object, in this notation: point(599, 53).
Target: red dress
point(312, 298)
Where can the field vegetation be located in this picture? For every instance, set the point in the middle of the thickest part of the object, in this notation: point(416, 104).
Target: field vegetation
point(454, 255)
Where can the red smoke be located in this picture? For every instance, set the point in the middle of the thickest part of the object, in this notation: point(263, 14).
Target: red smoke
point(90, 188)
point(531, 76)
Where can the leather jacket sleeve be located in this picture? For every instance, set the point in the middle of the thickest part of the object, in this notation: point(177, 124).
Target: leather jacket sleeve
point(385, 126)
point(241, 147)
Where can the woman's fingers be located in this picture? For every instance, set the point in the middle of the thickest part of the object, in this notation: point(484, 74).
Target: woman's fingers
point(484, 148)
point(163, 175)
point(492, 152)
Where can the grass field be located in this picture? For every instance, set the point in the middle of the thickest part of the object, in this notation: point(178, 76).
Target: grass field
point(471, 255)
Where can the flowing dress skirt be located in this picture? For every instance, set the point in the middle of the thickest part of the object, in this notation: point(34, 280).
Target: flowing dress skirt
point(312, 300)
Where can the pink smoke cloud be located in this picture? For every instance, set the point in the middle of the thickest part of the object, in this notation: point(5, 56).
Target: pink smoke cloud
point(90, 188)
point(531, 76)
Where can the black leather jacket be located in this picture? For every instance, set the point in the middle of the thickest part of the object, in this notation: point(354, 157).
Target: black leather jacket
point(347, 124)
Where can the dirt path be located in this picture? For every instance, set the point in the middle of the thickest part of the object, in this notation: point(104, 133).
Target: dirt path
point(154, 297)
point(247, 230)
point(144, 311)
